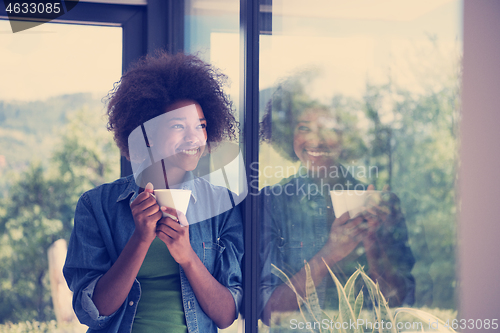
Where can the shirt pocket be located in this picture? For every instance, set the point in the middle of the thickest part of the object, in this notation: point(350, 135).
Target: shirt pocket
point(211, 254)
point(294, 255)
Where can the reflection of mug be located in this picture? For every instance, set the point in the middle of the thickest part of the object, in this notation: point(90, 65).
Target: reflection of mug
point(173, 198)
point(352, 201)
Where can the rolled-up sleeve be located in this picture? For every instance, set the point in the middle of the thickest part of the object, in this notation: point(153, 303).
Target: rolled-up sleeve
point(269, 253)
point(228, 270)
point(86, 261)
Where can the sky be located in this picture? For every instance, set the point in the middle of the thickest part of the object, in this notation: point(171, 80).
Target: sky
point(415, 46)
point(363, 41)
point(54, 59)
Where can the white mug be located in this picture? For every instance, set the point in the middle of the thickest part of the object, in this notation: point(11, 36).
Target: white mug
point(352, 201)
point(173, 198)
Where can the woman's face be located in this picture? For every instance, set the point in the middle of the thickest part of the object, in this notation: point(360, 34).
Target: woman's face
point(317, 138)
point(183, 135)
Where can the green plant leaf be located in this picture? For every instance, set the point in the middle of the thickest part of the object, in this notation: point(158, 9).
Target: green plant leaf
point(372, 291)
point(349, 287)
point(386, 310)
point(346, 312)
point(300, 301)
point(425, 317)
point(358, 305)
point(284, 278)
point(312, 296)
point(380, 305)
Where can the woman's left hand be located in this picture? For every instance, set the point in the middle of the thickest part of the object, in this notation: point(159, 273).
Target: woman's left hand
point(215, 299)
point(383, 213)
point(175, 234)
point(378, 213)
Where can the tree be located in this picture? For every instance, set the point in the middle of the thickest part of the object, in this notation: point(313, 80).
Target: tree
point(39, 210)
point(416, 151)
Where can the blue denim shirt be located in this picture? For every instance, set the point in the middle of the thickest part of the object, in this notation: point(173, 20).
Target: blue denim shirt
point(103, 226)
point(296, 222)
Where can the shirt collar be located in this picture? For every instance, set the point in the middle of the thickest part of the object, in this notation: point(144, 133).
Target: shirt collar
point(188, 183)
point(131, 188)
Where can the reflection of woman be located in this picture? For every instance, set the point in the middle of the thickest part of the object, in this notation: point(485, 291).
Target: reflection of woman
point(132, 270)
point(300, 225)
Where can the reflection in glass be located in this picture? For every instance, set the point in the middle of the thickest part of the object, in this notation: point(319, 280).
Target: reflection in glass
point(299, 224)
point(212, 32)
point(352, 95)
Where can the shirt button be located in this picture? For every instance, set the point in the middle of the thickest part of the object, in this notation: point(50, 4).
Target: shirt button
point(131, 303)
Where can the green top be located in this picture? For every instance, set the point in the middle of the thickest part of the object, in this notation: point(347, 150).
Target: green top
point(160, 307)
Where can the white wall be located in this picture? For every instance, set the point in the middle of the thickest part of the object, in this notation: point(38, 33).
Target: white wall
point(480, 163)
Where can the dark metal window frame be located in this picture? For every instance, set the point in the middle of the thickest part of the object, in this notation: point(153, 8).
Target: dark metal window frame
point(249, 43)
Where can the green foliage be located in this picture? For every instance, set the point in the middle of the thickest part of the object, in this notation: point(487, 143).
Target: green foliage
point(414, 144)
point(409, 142)
point(27, 130)
point(39, 209)
point(41, 327)
point(30, 223)
point(86, 155)
point(29, 327)
point(350, 308)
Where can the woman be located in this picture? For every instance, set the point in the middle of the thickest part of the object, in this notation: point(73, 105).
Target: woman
point(299, 223)
point(130, 268)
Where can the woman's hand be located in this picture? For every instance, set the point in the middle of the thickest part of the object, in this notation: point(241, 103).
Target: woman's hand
point(379, 213)
point(345, 235)
point(175, 234)
point(382, 212)
point(146, 213)
point(214, 298)
point(114, 286)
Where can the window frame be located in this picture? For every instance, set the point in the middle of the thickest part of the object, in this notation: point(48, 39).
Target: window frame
point(249, 51)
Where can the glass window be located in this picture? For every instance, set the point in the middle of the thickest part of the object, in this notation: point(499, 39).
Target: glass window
point(54, 77)
point(359, 98)
point(212, 32)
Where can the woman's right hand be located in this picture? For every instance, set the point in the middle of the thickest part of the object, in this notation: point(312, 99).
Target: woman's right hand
point(146, 213)
point(345, 235)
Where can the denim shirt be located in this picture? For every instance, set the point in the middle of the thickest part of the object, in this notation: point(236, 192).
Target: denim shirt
point(296, 222)
point(103, 226)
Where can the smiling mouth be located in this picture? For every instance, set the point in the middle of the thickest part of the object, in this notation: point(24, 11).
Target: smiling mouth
point(189, 152)
point(319, 153)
